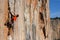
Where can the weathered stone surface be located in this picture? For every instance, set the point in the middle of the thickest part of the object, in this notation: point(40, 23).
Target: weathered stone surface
point(55, 24)
point(33, 22)
point(3, 18)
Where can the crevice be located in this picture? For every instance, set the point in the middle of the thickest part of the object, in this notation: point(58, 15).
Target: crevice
point(41, 16)
point(44, 31)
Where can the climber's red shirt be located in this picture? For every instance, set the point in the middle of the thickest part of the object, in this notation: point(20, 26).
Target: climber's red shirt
point(14, 18)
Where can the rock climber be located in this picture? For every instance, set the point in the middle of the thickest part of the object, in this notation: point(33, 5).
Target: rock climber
point(10, 23)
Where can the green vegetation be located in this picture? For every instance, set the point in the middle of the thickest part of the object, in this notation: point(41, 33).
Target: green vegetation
point(55, 18)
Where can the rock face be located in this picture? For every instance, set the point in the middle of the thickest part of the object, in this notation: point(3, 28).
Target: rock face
point(33, 22)
point(3, 18)
point(55, 24)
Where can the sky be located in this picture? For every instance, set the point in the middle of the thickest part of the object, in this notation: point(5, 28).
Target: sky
point(54, 8)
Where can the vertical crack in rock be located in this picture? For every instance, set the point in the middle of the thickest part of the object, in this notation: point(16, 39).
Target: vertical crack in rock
point(44, 31)
point(41, 16)
point(34, 31)
point(27, 19)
